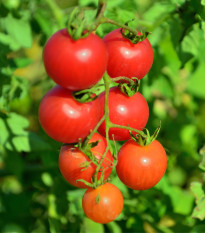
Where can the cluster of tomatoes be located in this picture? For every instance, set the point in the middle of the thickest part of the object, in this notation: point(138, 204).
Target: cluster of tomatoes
point(78, 65)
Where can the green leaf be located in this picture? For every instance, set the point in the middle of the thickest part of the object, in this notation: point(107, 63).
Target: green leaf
point(158, 11)
point(114, 227)
point(198, 229)
point(88, 2)
point(203, 27)
point(196, 188)
point(91, 227)
point(196, 82)
point(18, 33)
point(199, 210)
point(192, 40)
point(17, 124)
point(202, 163)
point(27, 143)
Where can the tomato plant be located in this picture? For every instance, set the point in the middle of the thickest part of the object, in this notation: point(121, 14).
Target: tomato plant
point(123, 110)
point(74, 64)
point(103, 204)
point(66, 120)
point(141, 167)
point(75, 165)
point(127, 59)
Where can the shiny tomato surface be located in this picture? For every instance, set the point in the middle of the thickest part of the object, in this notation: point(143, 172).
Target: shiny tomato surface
point(127, 59)
point(141, 167)
point(103, 204)
point(74, 64)
point(66, 120)
point(72, 160)
point(123, 110)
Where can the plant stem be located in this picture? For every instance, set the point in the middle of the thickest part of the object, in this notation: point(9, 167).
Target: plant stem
point(107, 82)
point(121, 25)
point(56, 11)
point(128, 128)
point(93, 132)
point(122, 78)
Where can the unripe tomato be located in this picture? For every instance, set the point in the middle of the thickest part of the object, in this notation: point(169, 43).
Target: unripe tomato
point(72, 161)
point(66, 120)
point(141, 167)
point(123, 110)
point(103, 204)
point(74, 64)
point(127, 59)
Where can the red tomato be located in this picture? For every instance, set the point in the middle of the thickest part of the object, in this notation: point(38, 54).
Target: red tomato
point(103, 204)
point(141, 167)
point(123, 110)
point(74, 64)
point(66, 120)
point(71, 160)
point(127, 59)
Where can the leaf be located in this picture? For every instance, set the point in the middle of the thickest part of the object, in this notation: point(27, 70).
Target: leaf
point(27, 143)
point(158, 11)
point(19, 33)
point(114, 227)
point(192, 40)
point(198, 229)
point(196, 82)
point(91, 227)
point(17, 124)
point(196, 188)
point(199, 210)
point(88, 2)
point(203, 27)
point(202, 163)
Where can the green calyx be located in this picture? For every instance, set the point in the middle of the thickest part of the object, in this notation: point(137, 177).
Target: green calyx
point(144, 138)
point(77, 24)
point(88, 95)
point(132, 36)
point(131, 87)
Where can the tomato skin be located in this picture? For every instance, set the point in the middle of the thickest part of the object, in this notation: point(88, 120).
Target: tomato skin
point(110, 203)
point(66, 120)
point(71, 159)
point(123, 110)
point(75, 65)
point(127, 59)
point(141, 167)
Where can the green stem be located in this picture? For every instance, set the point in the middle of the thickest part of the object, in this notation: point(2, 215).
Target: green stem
point(56, 11)
point(107, 82)
point(93, 132)
point(99, 166)
point(122, 78)
point(121, 25)
point(128, 128)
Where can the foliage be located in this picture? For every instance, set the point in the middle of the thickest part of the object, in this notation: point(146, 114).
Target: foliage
point(34, 197)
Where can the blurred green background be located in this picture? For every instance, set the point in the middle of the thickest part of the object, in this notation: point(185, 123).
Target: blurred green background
point(33, 195)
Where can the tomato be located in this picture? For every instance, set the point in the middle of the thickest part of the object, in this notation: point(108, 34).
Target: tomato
point(74, 64)
point(103, 204)
point(123, 110)
point(141, 167)
point(127, 59)
point(66, 120)
point(71, 162)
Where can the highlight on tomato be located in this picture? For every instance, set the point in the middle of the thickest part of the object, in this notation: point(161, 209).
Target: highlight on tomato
point(66, 120)
point(123, 110)
point(75, 165)
point(141, 167)
point(103, 204)
point(127, 59)
point(75, 64)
